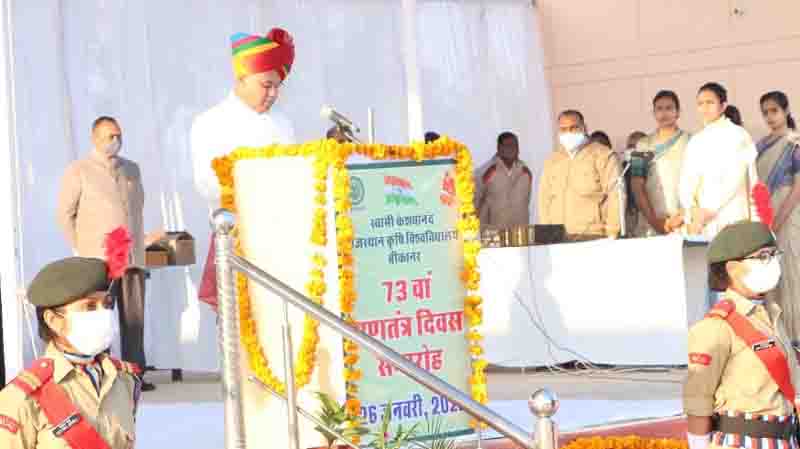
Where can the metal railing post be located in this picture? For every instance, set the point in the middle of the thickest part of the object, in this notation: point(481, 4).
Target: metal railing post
point(305, 413)
point(544, 404)
point(380, 350)
point(288, 373)
point(223, 223)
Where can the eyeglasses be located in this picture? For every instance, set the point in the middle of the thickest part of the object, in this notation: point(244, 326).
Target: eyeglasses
point(766, 256)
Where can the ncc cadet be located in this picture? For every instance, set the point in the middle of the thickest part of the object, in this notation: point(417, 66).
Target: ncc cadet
point(76, 396)
point(740, 389)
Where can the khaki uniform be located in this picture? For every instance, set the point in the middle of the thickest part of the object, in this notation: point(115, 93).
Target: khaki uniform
point(97, 196)
point(503, 195)
point(579, 192)
point(23, 424)
point(726, 375)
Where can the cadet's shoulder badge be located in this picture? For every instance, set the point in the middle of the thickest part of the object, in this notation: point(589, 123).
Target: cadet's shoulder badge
point(39, 373)
point(489, 173)
point(8, 423)
point(699, 358)
point(722, 309)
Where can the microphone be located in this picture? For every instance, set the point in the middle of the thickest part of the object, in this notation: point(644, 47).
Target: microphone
point(340, 120)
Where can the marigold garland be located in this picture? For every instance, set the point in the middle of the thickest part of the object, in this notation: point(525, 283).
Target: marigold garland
point(328, 153)
point(628, 442)
point(315, 288)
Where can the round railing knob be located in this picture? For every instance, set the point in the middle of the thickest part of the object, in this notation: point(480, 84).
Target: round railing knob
point(543, 403)
point(223, 221)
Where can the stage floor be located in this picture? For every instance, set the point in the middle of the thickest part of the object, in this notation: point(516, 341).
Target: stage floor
point(189, 414)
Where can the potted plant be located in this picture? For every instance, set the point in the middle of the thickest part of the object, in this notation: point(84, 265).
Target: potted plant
point(334, 415)
point(436, 429)
point(384, 439)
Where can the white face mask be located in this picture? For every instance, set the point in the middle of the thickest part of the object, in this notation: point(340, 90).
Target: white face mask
point(571, 141)
point(762, 277)
point(113, 148)
point(90, 332)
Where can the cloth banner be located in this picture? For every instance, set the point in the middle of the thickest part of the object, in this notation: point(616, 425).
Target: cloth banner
point(408, 259)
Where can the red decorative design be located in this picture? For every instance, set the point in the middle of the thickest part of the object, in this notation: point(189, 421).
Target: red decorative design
point(281, 37)
point(700, 359)
point(489, 174)
point(763, 204)
point(8, 423)
point(118, 248)
point(722, 309)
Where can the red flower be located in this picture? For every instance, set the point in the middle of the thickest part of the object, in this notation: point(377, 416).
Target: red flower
point(118, 248)
point(761, 199)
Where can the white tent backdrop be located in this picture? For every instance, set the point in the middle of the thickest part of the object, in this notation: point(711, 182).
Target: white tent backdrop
point(154, 65)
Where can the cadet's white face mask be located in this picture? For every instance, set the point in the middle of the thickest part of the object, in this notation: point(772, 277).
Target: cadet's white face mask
point(762, 277)
point(571, 140)
point(90, 332)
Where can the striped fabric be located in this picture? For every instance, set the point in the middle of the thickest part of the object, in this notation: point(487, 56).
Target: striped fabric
point(91, 366)
point(95, 373)
point(740, 441)
point(257, 54)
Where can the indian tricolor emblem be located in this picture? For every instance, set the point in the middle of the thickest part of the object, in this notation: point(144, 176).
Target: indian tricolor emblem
point(398, 191)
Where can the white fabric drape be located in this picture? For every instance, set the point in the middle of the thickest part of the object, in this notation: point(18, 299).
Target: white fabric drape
point(156, 64)
point(483, 73)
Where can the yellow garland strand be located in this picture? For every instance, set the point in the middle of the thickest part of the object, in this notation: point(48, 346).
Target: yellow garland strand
point(628, 442)
point(329, 153)
point(315, 288)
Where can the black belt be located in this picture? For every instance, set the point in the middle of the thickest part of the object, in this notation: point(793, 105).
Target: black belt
point(754, 428)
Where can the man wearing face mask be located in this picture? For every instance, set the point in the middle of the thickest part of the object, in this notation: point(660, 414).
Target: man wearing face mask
point(577, 187)
point(245, 118)
point(503, 187)
point(76, 396)
point(98, 194)
point(742, 370)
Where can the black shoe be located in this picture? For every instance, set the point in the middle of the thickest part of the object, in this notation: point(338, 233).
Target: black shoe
point(147, 386)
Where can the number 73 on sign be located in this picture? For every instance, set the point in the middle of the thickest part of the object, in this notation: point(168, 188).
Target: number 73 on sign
point(398, 289)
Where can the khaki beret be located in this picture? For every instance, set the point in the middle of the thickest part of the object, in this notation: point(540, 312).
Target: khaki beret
point(67, 280)
point(739, 240)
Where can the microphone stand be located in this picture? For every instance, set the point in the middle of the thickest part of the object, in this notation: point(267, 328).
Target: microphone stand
point(349, 134)
point(619, 184)
point(650, 159)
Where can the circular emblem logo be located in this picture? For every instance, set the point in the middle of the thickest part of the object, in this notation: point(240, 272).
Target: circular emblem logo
point(356, 190)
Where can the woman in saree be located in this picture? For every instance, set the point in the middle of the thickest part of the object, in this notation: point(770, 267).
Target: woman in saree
point(778, 167)
point(656, 167)
point(718, 171)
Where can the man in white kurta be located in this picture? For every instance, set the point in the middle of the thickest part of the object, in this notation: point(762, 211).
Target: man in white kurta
point(227, 126)
point(246, 117)
point(717, 178)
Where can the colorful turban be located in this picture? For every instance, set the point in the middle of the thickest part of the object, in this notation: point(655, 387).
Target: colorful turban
point(256, 54)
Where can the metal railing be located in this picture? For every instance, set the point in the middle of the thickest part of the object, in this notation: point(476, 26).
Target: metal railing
point(543, 403)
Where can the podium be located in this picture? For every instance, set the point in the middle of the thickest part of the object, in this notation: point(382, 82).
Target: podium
point(275, 213)
point(293, 207)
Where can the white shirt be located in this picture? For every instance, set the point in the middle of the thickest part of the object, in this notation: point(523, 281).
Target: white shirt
point(719, 173)
point(223, 128)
